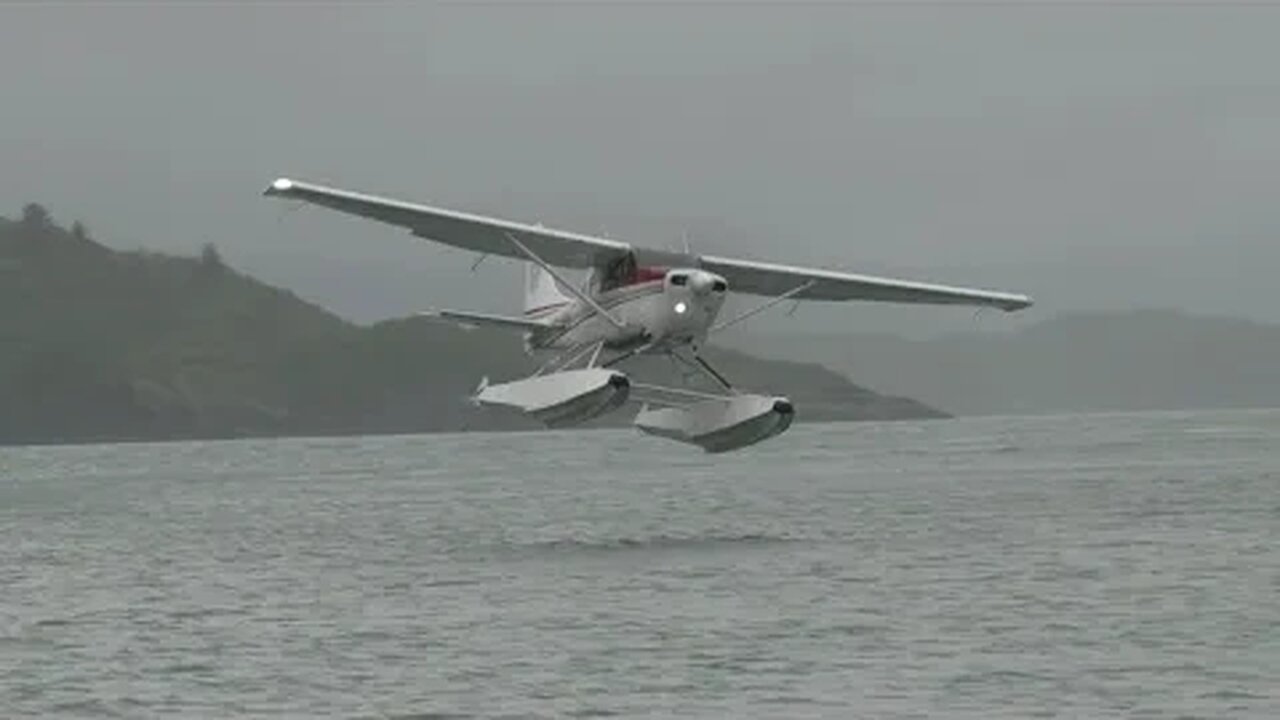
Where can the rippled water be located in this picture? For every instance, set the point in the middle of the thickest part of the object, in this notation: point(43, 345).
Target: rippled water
point(1077, 566)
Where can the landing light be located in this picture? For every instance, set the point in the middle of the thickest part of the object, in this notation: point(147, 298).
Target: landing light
point(282, 184)
point(681, 307)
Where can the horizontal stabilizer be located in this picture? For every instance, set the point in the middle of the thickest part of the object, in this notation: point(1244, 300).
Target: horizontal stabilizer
point(475, 319)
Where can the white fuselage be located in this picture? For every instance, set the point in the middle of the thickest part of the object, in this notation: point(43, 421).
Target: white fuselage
point(672, 310)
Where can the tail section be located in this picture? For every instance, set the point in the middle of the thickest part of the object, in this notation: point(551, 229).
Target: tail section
point(475, 396)
point(541, 293)
point(468, 319)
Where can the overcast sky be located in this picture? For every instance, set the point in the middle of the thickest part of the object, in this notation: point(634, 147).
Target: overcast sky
point(1093, 156)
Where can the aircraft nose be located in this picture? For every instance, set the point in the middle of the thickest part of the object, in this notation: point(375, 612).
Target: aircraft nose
point(783, 407)
point(619, 381)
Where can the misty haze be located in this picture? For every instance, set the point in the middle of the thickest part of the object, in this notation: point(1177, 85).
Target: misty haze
point(242, 475)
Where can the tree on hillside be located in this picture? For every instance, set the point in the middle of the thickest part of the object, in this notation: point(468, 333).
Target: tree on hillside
point(36, 217)
point(79, 231)
point(210, 257)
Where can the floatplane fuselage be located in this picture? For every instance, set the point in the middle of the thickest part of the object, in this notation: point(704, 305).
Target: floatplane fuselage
point(633, 302)
point(656, 308)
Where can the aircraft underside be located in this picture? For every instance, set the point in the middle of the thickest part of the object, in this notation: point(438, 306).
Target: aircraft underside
point(629, 311)
point(714, 421)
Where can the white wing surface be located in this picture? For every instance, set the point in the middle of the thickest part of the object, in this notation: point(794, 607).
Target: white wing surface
point(464, 230)
point(760, 278)
point(566, 249)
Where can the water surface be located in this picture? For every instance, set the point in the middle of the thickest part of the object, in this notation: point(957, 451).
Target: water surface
point(1090, 566)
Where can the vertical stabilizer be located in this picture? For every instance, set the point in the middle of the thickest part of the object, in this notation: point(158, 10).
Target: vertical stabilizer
point(541, 293)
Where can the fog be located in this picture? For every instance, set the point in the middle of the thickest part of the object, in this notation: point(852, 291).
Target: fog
point(1093, 156)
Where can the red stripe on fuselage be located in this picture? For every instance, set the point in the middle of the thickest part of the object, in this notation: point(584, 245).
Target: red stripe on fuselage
point(648, 274)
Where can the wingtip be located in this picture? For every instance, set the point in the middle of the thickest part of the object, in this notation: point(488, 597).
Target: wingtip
point(279, 186)
point(1021, 303)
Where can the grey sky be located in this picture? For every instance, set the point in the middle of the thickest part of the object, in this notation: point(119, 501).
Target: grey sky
point(1090, 155)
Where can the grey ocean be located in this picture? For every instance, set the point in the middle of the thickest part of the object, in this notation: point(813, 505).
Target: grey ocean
point(1089, 566)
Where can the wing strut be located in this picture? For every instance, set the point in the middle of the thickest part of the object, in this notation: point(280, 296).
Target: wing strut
point(628, 354)
point(699, 364)
point(572, 355)
point(638, 388)
point(761, 307)
point(584, 297)
point(714, 373)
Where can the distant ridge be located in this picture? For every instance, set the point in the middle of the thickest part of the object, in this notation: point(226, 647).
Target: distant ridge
point(100, 345)
point(1124, 361)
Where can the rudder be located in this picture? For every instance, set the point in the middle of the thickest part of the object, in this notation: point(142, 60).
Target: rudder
point(541, 292)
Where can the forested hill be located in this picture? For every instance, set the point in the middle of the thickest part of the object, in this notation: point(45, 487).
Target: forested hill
point(97, 344)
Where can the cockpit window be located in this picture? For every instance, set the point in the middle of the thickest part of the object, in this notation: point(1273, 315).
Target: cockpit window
point(719, 286)
point(618, 273)
point(625, 271)
point(680, 279)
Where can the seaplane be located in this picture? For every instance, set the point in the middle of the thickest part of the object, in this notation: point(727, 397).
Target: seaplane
point(630, 301)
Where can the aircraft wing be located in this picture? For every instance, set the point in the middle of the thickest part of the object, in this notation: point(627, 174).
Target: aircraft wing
point(464, 230)
point(566, 249)
point(760, 278)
